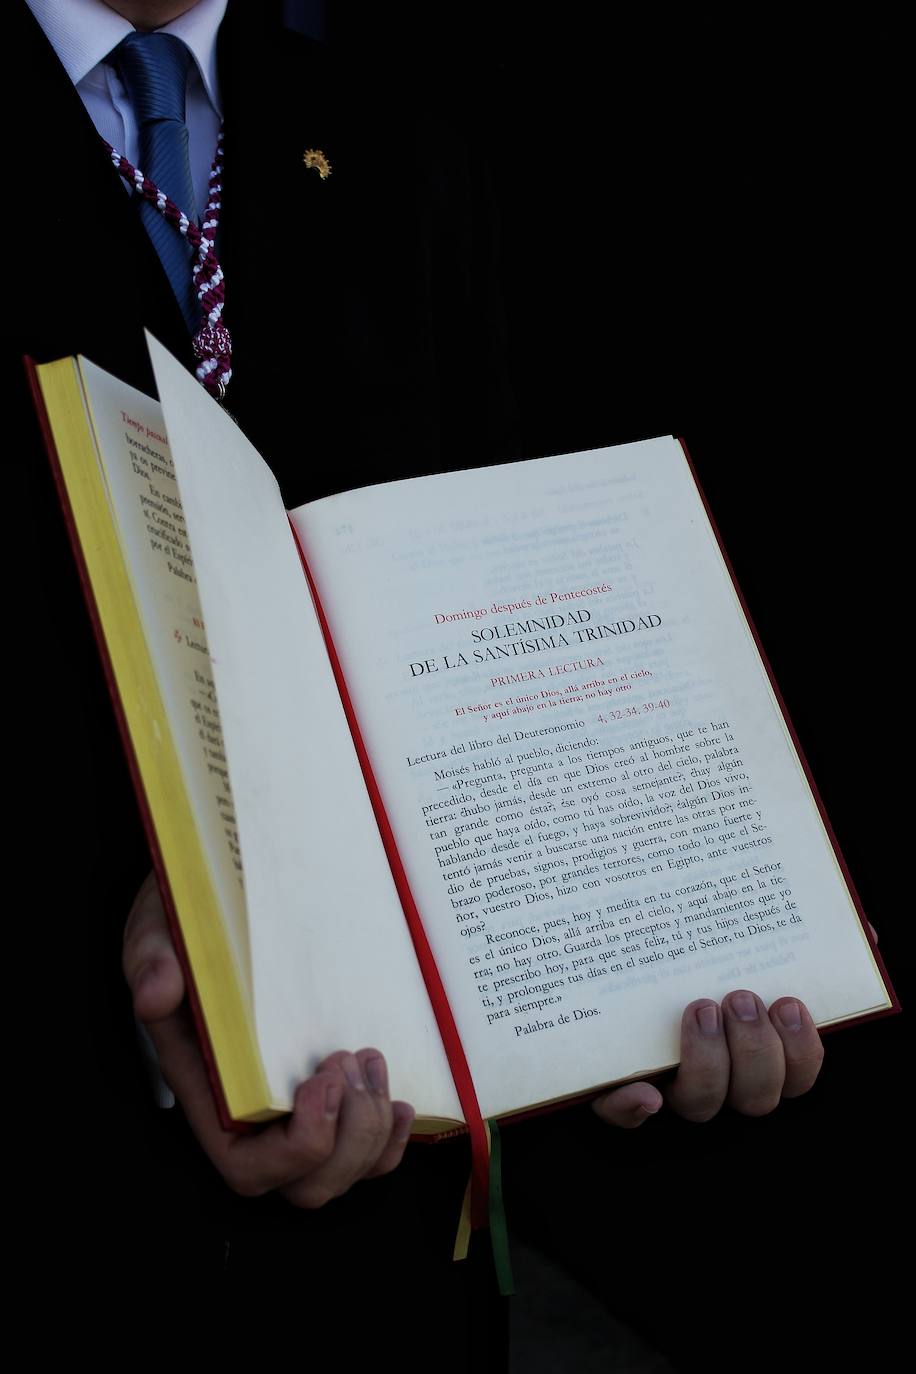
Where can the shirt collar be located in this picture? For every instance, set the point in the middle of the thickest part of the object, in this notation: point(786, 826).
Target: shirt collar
point(83, 33)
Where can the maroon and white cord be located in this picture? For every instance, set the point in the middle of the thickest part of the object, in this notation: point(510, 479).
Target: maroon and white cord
point(212, 343)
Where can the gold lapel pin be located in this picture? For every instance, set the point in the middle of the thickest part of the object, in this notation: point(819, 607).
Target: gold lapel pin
point(314, 157)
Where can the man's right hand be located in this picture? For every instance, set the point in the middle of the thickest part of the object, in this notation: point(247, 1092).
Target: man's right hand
point(343, 1128)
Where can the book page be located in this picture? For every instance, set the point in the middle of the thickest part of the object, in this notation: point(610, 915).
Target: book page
point(592, 787)
point(333, 966)
point(137, 465)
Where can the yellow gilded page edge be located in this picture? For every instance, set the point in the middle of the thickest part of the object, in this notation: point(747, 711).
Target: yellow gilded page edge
point(222, 997)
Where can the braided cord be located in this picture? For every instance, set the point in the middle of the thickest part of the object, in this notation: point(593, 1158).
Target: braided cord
point(212, 343)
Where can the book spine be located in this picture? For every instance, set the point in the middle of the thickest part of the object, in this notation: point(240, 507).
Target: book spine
point(451, 1040)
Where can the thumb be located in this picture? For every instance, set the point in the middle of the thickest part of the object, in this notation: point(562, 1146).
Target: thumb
point(150, 964)
point(628, 1106)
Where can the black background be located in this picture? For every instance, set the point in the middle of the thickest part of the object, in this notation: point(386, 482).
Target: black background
point(700, 235)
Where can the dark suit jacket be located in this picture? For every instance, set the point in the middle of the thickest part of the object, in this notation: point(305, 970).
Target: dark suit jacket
point(365, 346)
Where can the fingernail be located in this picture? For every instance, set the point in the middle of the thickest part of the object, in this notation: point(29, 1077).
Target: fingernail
point(708, 1019)
point(642, 1112)
point(353, 1073)
point(790, 1017)
point(375, 1072)
point(332, 1098)
point(744, 1005)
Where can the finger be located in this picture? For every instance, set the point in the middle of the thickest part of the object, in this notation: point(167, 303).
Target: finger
point(757, 1057)
point(364, 1130)
point(149, 961)
point(312, 1156)
point(700, 1085)
point(290, 1152)
point(801, 1045)
point(402, 1118)
point(629, 1106)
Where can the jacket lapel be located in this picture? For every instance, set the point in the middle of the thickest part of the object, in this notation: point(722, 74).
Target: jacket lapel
point(120, 285)
point(277, 237)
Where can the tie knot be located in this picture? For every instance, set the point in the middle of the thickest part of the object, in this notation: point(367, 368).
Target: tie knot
point(154, 69)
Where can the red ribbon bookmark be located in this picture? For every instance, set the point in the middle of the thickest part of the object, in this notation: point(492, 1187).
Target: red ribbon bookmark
point(480, 1147)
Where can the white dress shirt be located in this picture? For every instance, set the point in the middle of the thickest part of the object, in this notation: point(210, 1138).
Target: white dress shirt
point(84, 32)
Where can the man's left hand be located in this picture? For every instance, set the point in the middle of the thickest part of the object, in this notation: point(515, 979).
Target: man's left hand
point(736, 1053)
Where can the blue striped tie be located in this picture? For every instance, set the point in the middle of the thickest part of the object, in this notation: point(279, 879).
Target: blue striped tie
point(154, 69)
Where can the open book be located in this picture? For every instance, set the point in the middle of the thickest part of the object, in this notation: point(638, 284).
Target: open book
point(522, 705)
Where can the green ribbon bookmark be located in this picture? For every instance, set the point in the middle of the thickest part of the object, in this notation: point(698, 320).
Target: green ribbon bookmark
point(499, 1235)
